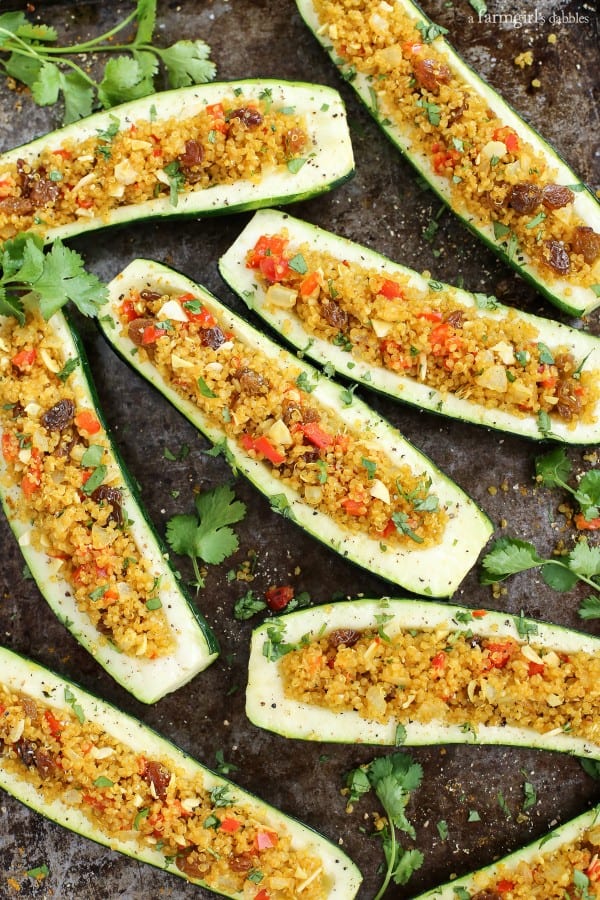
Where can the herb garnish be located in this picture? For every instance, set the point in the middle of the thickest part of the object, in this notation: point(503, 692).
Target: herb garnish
point(553, 469)
point(31, 55)
point(53, 278)
point(509, 556)
point(206, 535)
point(393, 778)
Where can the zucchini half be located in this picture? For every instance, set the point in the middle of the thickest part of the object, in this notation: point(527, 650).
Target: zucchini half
point(195, 645)
point(268, 706)
point(435, 570)
point(325, 161)
point(542, 856)
point(96, 728)
point(579, 300)
point(233, 268)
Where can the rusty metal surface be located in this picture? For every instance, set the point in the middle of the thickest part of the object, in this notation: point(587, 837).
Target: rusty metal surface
point(384, 208)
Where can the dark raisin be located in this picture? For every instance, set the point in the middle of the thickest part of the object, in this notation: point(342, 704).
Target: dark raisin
point(311, 415)
point(291, 411)
point(42, 191)
point(136, 329)
point(346, 636)
point(248, 116)
point(17, 206)
point(587, 242)
point(212, 337)
point(243, 862)
point(107, 494)
point(251, 382)
point(456, 318)
point(18, 410)
point(26, 750)
point(158, 777)
point(59, 416)
point(556, 256)
point(192, 864)
point(555, 196)
point(192, 155)
point(524, 197)
point(335, 315)
point(30, 708)
point(150, 296)
point(430, 74)
point(45, 764)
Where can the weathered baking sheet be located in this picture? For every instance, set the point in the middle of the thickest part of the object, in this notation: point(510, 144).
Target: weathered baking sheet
point(383, 207)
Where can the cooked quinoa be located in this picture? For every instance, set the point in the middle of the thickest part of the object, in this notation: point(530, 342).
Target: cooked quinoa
point(267, 407)
point(572, 870)
point(450, 677)
point(495, 178)
point(206, 832)
point(428, 335)
point(129, 163)
point(60, 478)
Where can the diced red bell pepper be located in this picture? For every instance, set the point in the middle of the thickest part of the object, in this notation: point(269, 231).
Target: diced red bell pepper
point(593, 870)
point(504, 885)
point(536, 668)
point(479, 613)
point(202, 316)
point(391, 289)
point(128, 311)
point(264, 446)
point(499, 654)
point(278, 597)
point(316, 435)
point(264, 840)
point(53, 723)
point(217, 114)
point(262, 895)
point(266, 245)
point(274, 268)
point(24, 359)
point(86, 203)
point(354, 507)
point(431, 315)
point(10, 446)
point(87, 421)
point(32, 479)
point(389, 529)
point(584, 524)
point(64, 154)
point(411, 47)
point(439, 660)
point(309, 284)
point(230, 825)
point(508, 137)
point(151, 334)
point(439, 334)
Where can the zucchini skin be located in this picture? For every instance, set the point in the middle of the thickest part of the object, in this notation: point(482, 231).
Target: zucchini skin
point(268, 708)
point(564, 834)
point(242, 281)
point(197, 646)
point(33, 679)
point(331, 165)
point(575, 300)
point(435, 571)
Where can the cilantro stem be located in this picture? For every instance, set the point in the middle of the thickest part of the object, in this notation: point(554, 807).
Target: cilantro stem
point(93, 43)
point(390, 857)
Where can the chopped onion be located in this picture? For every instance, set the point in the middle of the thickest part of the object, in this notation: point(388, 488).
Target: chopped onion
point(172, 309)
point(380, 491)
point(284, 297)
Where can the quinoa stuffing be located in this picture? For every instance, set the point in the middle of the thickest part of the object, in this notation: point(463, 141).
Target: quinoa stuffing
point(59, 476)
point(202, 830)
point(450, 677)
point(428, 336)
point(132, 162)
point(571, 870)
point(267, 407)
point(495, 178)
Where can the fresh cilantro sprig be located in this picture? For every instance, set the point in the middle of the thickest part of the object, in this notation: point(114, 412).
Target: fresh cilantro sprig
point(554, 468)
point(31, 54)
point(508, 556)
point(393, 778)
point(205, 535)
point(50, 278)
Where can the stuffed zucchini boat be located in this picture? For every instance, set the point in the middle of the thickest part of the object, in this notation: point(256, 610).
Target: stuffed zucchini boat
point(564, 863)
point(195, 151)
point(95, 770)
point(80, 526)
point(322, 456)
point(507, 185)
point(460, 354)
point(414, 672)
